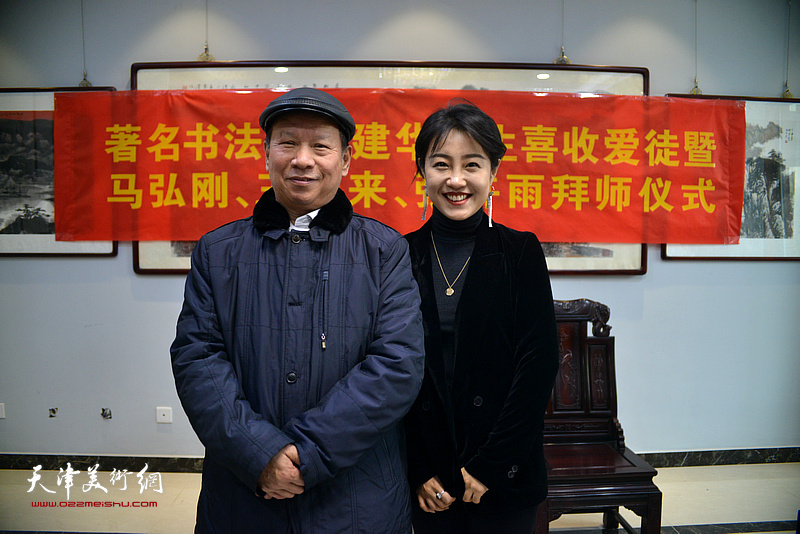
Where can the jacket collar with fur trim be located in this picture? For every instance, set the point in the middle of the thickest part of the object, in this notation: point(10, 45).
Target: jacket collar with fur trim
point(334, 216)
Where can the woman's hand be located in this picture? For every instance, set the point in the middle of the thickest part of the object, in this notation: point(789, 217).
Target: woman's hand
point(473, 489)
point(432, 496)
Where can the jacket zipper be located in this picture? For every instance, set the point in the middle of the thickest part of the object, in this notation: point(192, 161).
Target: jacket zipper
point(324, 319)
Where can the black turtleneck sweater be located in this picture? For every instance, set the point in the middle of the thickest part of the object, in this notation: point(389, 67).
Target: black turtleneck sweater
point(454, 241)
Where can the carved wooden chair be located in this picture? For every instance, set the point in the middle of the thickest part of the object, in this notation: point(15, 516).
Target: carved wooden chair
point(589, 467)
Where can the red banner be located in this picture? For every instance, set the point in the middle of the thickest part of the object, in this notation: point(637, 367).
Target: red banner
point(172, 165)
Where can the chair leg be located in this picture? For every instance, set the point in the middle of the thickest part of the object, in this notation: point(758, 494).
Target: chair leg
point(543, 518)
point(610, 523)
point(651, 520)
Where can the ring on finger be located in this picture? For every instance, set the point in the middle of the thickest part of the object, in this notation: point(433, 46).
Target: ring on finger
point(439, 495)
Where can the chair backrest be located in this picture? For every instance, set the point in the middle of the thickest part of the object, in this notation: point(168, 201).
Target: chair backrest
point(583, 405)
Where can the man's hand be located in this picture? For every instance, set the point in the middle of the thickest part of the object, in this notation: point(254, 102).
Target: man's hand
point(281, 479)
point(427, 496)
point(473, 489)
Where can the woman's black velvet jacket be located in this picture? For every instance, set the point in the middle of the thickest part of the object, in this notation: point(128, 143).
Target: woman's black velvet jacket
point(506, 359)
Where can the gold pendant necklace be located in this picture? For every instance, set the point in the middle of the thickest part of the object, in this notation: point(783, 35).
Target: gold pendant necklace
point(449, 291)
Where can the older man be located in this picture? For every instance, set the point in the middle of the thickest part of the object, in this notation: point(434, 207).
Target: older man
point(299, 347)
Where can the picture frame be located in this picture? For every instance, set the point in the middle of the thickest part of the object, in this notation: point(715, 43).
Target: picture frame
point(564, 258)
point(162, 257)
point(27, 223)
point(770, 227)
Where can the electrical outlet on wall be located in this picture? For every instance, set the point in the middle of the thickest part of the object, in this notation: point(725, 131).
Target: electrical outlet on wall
point(163, 414)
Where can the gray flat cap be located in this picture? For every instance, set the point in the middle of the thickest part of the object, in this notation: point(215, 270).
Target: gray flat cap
point(310, 99)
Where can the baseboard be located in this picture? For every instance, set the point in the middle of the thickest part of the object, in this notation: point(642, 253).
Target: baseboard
point(195, 465)
point(724, 457)
point(133, 464)
point(725, 528)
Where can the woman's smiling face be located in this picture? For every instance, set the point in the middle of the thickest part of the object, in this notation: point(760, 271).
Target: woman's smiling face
point(458, 175)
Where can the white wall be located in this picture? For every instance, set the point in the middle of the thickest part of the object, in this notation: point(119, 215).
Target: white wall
point(708, 353)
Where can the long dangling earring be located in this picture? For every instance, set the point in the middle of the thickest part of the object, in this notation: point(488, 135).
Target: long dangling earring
point(489, 202)
point(424, 200)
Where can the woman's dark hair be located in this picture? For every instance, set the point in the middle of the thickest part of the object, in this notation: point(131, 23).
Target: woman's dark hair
point(464, 117)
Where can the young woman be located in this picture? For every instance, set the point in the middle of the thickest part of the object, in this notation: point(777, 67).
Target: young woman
point(474, 434)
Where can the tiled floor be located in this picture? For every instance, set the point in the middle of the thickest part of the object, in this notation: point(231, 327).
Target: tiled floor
point(697, 500)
